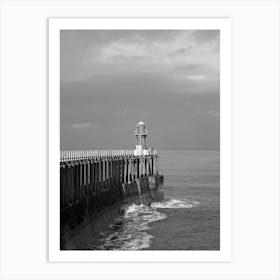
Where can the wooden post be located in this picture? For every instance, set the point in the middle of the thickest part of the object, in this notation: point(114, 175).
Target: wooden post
point(114, 169)
point(110, 169)
point(103, 170)
point(129, 169)
point(145, 159)
point(135, 165)
point(100, 170)
point(118, 170)
point(141, 166)
point(138, 168)
point(157, 165)
point(76, 183)
point(132, 168)
point(89, 174)
point(62, 186)
point(121, 169)
point(85, 176)
point(78, 180)
point(68, 185)
point(125, 170)
point(97, 174)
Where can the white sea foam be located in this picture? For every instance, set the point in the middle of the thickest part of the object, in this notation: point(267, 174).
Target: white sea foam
point(129, 233)
point(175, 203)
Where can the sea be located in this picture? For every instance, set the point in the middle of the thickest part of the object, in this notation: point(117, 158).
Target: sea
point(187, 219)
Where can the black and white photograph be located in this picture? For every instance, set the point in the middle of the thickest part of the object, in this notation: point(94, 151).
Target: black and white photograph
point(140, 140)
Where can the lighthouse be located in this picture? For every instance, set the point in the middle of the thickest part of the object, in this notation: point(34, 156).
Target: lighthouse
point(141, 140)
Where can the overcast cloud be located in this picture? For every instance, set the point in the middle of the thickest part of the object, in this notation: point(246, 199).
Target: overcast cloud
point(110, 80)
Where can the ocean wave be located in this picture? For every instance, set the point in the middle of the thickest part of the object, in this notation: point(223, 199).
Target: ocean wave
point(175, 203)
point(129, 231)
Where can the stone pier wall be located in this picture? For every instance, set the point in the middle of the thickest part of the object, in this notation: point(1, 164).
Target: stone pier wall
point(93, 191)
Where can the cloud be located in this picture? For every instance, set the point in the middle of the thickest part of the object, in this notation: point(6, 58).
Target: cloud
point(181, 51)
point(124, 112)
point(82, 125)
point(214, 113)
point(196, 77)
point(95, 53)
point(206, 36)
point(117, 77)
point(139, 50)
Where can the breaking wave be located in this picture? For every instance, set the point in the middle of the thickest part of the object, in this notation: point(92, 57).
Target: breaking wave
point(175, 203)
point(128, 232)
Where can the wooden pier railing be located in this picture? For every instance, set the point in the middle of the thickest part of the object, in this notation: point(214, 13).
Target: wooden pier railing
point(69, 155)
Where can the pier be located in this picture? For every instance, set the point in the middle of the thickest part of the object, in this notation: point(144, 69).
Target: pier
point(96, 184)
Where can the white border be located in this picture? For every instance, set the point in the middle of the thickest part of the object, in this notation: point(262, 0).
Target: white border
point(224, 25)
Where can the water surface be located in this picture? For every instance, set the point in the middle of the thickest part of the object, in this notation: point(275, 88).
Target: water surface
point(188, 218)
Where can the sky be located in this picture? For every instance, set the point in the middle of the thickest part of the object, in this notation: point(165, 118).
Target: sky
point(112, 79)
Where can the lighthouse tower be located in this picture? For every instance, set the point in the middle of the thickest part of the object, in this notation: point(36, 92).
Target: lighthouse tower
point(141, 140)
